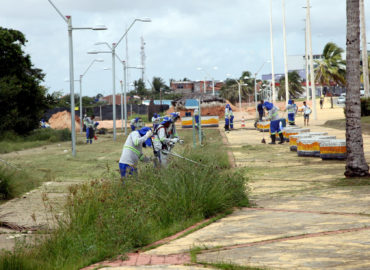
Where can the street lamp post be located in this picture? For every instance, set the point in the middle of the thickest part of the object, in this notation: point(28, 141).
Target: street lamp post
point(313, 90)
point(213, 79)
point(272, 57)
point(285, 57)
point(113, 52)
point(239, 89)
point(68, 20)
point(81, 76)
point(255, 83)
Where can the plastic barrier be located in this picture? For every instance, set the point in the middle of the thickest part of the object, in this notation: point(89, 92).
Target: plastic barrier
point(207, 121)
point(293, 139)
point(288, 129)
point(310, 147)
point(296, 131)
point(333, 149)
point(263, 126)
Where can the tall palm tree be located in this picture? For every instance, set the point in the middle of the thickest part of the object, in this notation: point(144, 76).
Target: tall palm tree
point(295, 85)
point(229, 91)
point(356, 163)
point(331, 67)
point(158, 83)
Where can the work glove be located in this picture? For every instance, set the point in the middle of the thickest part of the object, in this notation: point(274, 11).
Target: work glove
point(149, 134)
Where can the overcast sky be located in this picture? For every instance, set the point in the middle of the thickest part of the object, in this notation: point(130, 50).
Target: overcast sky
point(183, 35)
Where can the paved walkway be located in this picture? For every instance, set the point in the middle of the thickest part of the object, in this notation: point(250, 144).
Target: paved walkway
point(301, 218)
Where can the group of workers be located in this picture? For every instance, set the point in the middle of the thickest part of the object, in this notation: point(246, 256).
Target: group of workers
point(162, 139)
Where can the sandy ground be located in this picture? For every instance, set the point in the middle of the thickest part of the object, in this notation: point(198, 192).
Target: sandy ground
point(301, 219)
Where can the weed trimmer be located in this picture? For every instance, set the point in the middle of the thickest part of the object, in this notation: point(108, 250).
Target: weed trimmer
point(179, 156)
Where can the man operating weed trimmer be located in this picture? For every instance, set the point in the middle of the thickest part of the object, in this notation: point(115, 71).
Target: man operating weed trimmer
point(132, 151)
point(273, 116)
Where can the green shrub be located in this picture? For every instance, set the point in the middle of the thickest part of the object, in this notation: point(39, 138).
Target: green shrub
point(6, 177)
point(14, 182)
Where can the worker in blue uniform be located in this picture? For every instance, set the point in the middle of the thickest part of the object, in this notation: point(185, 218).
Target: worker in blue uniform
point(273, 116)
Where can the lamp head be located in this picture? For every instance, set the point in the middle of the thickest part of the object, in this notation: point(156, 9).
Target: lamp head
point(144, 19)
point(93, 52)
point(99, 27)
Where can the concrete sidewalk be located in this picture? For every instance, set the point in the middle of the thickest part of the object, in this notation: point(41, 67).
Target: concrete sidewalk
point(302, 218)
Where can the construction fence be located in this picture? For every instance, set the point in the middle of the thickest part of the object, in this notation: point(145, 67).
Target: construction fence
point(105, 112)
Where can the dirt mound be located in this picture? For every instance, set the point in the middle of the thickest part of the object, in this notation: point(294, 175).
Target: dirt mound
point(62, 120)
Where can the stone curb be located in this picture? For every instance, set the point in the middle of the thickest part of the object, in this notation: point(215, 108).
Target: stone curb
point(229, 152)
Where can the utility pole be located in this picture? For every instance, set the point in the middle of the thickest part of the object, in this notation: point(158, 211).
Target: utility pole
point(285, 57)
point(306, 62)
point(365, 64)
point(143, 57)
point(272, 57)
point(127, 64)
point(313, 88)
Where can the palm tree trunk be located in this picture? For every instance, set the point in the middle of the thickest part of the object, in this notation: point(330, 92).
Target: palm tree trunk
point(356, 163)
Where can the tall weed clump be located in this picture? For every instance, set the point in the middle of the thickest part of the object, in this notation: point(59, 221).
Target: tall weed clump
point(13, 182)
point(106, 217)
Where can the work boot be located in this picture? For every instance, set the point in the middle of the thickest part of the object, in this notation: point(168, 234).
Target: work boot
point(273, 139)
point(281, 136)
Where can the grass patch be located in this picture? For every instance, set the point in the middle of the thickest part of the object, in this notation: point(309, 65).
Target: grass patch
point(14, 183)
point(105, 218)
point(249, 147)
point(341, 124)
point(10, 141)
point(347, 182)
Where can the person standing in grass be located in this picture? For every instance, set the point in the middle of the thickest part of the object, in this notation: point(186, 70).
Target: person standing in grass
point(306, 113)
point(132, 151)
point(90, 128)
